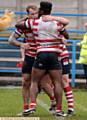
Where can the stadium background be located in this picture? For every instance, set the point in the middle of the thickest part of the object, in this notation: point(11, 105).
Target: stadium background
point(60, 6)
point(74, 10)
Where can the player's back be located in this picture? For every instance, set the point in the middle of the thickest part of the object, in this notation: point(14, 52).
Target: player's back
point(46, 30)
point(47, 34)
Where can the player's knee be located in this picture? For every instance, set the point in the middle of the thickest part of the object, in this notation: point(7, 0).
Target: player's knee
point(65, 80)
point(26, 84)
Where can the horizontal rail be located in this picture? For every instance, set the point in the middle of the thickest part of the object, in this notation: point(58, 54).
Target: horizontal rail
point(17, 70)
point(6, 38)
point(56, 14)
point(70, 31)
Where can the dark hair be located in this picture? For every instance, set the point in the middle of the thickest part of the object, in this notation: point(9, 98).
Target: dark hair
point(45, 8)
point(31, 7)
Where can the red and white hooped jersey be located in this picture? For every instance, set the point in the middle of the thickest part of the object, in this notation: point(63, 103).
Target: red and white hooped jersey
point(47, 34)
point(29, 38)
point(64, 55)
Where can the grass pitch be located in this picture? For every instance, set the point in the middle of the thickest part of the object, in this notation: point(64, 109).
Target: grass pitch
point(11, 104)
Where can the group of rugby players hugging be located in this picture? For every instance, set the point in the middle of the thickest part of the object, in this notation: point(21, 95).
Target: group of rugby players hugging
point(45, 61)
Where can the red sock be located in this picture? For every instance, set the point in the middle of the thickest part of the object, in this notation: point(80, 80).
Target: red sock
point(26, 106)
point(59, 108)
point(52, 98)
point(69, 97)
point(32, 105)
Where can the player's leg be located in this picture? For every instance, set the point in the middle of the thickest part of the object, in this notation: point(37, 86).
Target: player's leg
point(36, 77)
point(25, 90)
point(66, 85)
point(26, 81)
point(47, 85)
point(38, 72)
point(57, 81)
point(55, 73)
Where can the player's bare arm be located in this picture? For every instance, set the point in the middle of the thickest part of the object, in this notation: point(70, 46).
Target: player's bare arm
point(13, 41)
point(62, 20)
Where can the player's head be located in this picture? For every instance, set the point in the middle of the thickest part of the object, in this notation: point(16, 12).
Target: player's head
point(45, 8)
point(32, 11)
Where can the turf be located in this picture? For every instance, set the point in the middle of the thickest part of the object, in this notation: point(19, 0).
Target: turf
point(11, 105)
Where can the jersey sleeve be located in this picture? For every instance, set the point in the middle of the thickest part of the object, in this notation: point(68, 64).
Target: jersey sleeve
point(27, 23)
point(19, 32)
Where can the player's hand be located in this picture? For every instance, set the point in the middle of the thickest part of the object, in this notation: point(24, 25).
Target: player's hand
point(25, 46)
point(64, 41)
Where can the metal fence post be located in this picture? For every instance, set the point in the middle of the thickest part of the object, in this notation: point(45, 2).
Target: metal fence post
point(73, 63)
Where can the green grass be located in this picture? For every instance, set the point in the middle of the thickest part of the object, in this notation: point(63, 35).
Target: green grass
point(11, 105)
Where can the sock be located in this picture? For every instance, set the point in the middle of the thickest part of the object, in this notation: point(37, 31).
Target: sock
point(32, 105)
point(52, 98)
point(69, 97)
point(26, 106)
point(59, 108)
point(53, 101)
